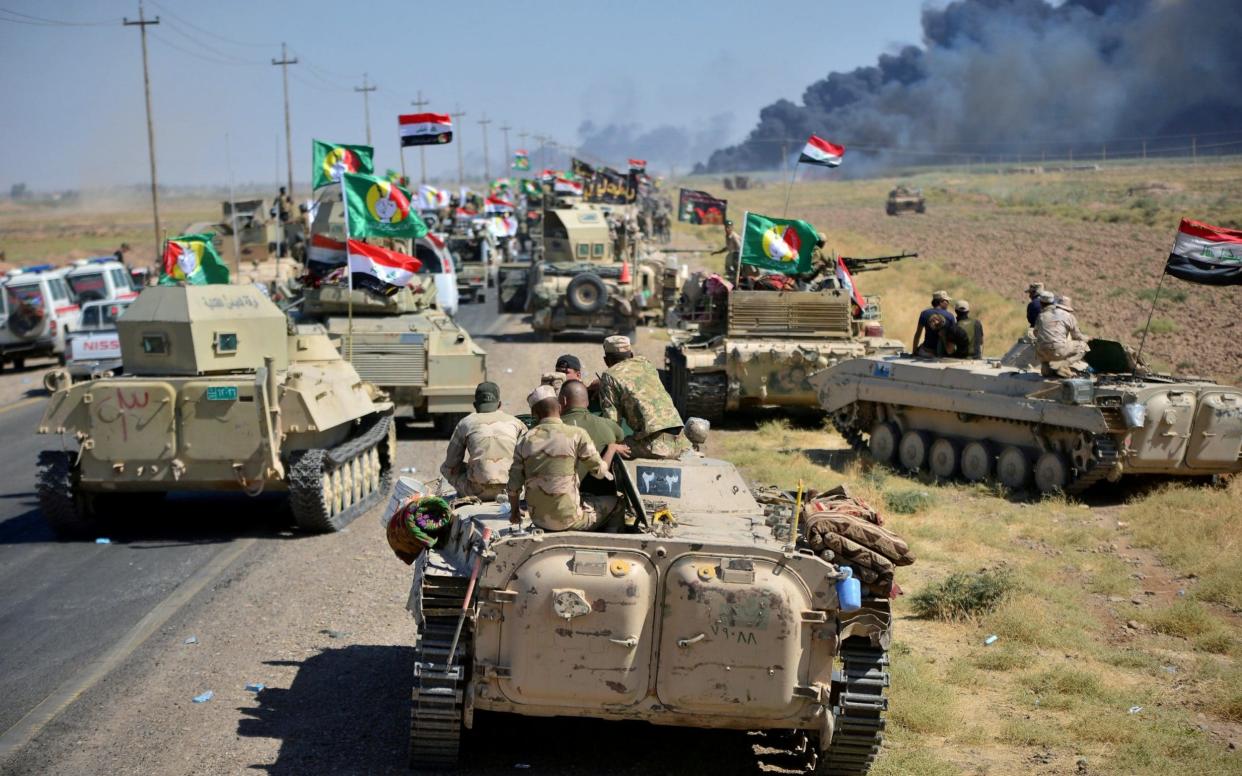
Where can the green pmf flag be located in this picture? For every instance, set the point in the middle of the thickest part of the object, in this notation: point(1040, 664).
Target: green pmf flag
point(531, 188)
point(379, 208)
point(192, 259)
point(332, 159)
point(778, 244)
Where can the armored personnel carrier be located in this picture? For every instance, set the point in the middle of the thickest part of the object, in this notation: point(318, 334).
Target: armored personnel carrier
point(756, 349)
point(406, 345)
point(983, 419)
point(702, 614)
point(904, 199)
point(219, 393)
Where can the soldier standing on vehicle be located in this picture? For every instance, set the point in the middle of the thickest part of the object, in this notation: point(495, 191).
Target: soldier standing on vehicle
point(631, 391)
point(480, 451)
point(732, 249)
point(1059, 343)
point(607, 437)
point(545, 463)
point(939, 306)
point(972, 328)
point(1034, 307)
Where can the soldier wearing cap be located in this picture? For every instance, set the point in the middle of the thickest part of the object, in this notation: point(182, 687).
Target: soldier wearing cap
point(570, 366)
point(1059, 343)
point(971, 328)
point(481, 449)
point(1034, 307)
point(546, 464)
point(924, 339)
point(630, 391)
point(733, 249)
point(554, 379)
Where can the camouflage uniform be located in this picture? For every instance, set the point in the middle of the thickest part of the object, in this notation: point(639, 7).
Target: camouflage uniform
point(631, 391)
point(546, 462)
point(489, 438)
point(1059, 343)
point(601, 495)
point(733, 249)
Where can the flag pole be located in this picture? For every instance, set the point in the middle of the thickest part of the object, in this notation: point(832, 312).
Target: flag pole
point(789, 190)
point(1142, 342)
point(402, 152)
point(349, 277)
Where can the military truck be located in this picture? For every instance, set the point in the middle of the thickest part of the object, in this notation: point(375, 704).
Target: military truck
point(473, 254)
point(222, 393)
point(903, 199)
point(703, 614)
point(984, 419)
point(579, 283)
point(757, 348)
point(406, 345)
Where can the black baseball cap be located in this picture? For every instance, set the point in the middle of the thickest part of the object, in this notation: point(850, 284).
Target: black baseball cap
point(569, 361)
point(487, 397)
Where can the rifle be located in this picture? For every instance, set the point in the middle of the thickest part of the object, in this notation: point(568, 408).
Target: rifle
point(856, 265)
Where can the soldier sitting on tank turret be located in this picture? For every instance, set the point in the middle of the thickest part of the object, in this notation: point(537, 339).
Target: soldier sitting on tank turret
point(480, 451)
point(923, 341)
point(972, 328)
point(1059, 343)
point(608, 438)
point(631, 391)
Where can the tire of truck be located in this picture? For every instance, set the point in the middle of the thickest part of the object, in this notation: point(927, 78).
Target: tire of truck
point(66, 509)
point(586, 294)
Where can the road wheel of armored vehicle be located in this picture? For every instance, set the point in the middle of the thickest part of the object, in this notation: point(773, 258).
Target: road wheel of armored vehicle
point(438, 710)
point(976, 462)
point(446, 422)
point(912, 451)
point(1052, 473)
point(67, 510)
point(943, 459)
point(858, 708)
point(586, 294)
point(1013, 468)
point(883, 443)
point(325, 486)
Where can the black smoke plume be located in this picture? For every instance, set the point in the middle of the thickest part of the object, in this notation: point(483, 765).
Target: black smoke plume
point(1026, 77)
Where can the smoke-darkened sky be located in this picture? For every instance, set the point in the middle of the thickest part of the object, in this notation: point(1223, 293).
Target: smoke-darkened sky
point(667, 81)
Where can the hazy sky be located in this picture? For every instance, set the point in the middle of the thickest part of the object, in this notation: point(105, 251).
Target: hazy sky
point(73, 109)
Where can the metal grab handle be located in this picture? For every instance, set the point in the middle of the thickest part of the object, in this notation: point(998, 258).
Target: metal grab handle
point(631, 642)
point(691, 640)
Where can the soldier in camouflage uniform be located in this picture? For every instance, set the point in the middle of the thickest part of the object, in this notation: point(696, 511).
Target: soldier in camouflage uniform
point(608, 438)
point(631, 391)
point(545, 463)
point(480, 451)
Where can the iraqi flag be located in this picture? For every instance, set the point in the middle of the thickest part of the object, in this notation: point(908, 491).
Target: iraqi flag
point(425, 129)
point(1211, 255)
point(325, 254)
point(566, 186)
point(497, 206)
point(369, 263)
point(847, 282)
point(821, 152)
point(638, 165)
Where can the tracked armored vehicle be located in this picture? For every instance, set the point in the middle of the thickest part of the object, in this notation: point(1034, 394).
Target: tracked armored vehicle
point(703, 614)
point(904, 199)
point(756, 349)
point(982, 419)
point(220, 392)
point(406, 345)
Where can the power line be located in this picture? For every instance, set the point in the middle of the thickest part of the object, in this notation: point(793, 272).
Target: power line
point(211, 33)
point(45, 22)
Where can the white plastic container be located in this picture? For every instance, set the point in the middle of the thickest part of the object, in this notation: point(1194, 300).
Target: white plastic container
point(402, 491)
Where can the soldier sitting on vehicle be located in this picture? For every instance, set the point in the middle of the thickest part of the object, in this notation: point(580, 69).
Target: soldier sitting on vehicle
point(1059, 343)
point(939, 306)
point(545, 464)
point(631, 391)
point(608, 438)
point(972, 328)
point(480, 451)
point(1034, 308)
point(932, 346)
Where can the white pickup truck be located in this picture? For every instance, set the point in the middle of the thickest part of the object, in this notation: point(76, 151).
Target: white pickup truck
point(95, 348)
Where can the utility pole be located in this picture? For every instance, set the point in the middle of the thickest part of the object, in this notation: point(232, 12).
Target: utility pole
point(1194, 149)
point(461, 164)
point(284, 63)
point(142, 25)
point(422, 150)
point(366, 103)
point(508, 157)
point(487, 165)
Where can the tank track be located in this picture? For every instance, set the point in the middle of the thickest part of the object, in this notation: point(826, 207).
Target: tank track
point(438, 697)
point(1106, 456)
point(858, 710)
point(307, 472)
point(706, 396)
point(852, 434)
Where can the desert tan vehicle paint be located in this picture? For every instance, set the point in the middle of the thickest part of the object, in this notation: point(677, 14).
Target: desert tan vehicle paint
point(761, 348)
point(704, 617)
point(579, 284)
point(219, 393)
point(404, 344)
point(981, 419)
point(904, 199)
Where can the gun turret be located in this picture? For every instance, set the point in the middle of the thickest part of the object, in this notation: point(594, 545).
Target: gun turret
point(856, 265)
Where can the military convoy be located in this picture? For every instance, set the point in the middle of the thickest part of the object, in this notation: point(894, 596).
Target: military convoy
point(704, 614)
point(221, 392)
point(757, 349)
point(404, 344)
point(903, 199)
point(984, 419)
